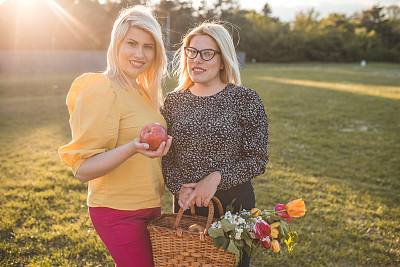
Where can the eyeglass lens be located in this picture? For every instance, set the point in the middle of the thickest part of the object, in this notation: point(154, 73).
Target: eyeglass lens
point(206, 54)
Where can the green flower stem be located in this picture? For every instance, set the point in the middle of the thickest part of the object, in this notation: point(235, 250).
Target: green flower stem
point(276, 212)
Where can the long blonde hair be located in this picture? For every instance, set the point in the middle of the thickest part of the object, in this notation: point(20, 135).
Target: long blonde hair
point(229, 74)
point(150, 80)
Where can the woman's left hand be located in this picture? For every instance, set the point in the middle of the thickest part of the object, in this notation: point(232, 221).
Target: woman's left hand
point(203, 190)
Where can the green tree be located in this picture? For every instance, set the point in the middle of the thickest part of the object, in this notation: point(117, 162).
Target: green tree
point(337, 23)
point(372, 18)
point(307, 21)
point(388, 38)
point(267, 11)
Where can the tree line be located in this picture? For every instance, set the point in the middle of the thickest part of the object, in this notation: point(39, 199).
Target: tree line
point(372, 34)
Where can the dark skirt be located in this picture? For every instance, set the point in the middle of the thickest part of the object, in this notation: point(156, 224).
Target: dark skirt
point(244, 197)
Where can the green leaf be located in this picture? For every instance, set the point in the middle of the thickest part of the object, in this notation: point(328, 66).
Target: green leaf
point(230, 206)
point(227, 226)
point(271, 218)
point(283, 228)
point(226, 243)
point(232, 248)
point(239, 244)
point(219, 241)
point(246, 237)
point(283, 223)
point(254, 246)
point(215, 232)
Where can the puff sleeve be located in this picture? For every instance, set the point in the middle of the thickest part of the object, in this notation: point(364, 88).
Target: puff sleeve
point(253, 152)
point(94, 119)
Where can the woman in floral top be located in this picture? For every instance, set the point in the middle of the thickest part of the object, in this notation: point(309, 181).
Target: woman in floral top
point(220, 128)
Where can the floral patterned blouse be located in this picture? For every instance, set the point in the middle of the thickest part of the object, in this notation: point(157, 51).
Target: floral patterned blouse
point(226, 132)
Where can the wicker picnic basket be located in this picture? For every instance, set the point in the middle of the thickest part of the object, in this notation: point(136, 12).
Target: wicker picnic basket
point(174, 245)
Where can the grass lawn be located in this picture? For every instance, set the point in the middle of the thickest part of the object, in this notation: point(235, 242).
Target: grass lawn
point(334, 141)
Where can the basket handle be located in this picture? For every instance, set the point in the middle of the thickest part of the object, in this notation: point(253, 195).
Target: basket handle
point(210, 213)
point(216, 200)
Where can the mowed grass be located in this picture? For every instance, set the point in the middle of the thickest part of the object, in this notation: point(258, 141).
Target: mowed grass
point(334, 141)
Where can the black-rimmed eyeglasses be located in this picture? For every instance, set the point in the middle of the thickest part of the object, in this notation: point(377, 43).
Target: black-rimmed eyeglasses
point(205, 54)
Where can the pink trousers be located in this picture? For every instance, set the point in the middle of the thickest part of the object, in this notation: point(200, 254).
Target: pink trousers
point(125, 234)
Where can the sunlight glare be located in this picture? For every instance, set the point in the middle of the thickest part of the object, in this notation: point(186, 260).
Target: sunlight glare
point(374, 90)
point(67, 19)
point(26, 4)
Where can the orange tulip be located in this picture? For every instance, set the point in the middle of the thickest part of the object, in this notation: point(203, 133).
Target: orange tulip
point(275, 246)
point(255, 212)
point(296, 208)
point(274, 230)
point(274, 233)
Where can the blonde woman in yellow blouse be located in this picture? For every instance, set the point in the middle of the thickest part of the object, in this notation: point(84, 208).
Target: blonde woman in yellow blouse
point(107, 112)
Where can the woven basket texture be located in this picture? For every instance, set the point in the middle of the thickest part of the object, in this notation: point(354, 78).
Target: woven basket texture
point(180, 247)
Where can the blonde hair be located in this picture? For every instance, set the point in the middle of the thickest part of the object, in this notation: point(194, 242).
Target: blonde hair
point(229, 74)
point(150, 80)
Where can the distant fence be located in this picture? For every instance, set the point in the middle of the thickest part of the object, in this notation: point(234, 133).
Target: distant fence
point(52, 61)
point(63, 61)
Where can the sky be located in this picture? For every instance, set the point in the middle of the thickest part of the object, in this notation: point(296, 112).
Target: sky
point(286, 10)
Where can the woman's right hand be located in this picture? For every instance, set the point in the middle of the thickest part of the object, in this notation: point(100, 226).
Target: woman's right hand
point(103, 163)
point(184, 194)
point(143, 148)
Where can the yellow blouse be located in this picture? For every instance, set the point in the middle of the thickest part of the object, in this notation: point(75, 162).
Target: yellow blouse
point(104, 116)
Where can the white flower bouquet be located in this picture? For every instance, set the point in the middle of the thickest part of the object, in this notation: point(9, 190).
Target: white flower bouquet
point(249, 230)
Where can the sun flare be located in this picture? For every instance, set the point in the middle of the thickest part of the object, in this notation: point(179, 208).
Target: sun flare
point(27, 4)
